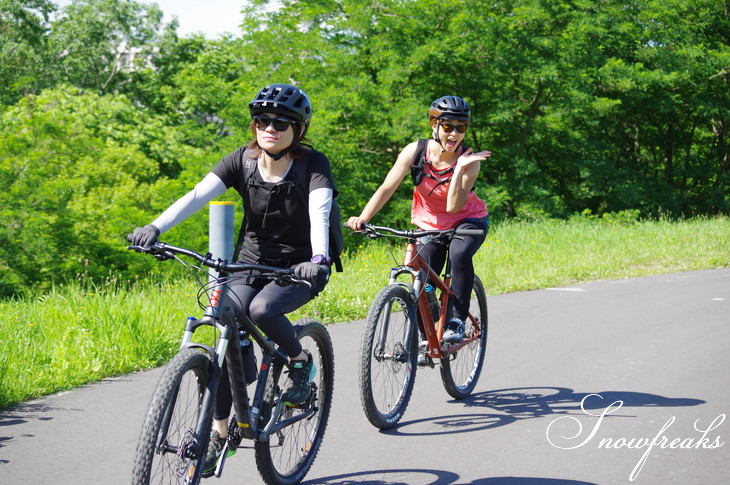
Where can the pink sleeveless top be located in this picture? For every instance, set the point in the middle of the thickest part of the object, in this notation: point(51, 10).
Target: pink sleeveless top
point(429, 211)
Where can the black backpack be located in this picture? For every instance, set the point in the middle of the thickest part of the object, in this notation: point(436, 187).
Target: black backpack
point(419, 162)
point(337, 239)
point(418, 170)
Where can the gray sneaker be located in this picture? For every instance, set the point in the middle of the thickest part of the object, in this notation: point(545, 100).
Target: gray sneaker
point(422, 353)
point(454, 331)
point(215, 449)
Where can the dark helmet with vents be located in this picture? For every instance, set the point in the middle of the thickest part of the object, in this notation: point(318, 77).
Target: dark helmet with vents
point(449, 107)
point(285, 100)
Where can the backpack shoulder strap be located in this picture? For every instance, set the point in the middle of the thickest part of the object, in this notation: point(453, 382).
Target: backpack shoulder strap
point(249, 167)
point(299, 172)
point(419, 161)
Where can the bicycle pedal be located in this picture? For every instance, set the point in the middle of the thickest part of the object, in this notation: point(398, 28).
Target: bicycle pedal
point(218, 470)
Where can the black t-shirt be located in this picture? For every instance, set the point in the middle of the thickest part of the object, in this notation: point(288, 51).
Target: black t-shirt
point(276, 222)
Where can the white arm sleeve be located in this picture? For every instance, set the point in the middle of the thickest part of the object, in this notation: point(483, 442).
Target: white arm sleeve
point(205, 191)
point(320, 203)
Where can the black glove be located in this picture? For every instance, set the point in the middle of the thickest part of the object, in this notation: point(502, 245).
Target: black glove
point(144, 236)
point(315, 274)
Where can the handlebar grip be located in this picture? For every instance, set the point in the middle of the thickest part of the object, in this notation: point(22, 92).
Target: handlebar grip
point(470, 232)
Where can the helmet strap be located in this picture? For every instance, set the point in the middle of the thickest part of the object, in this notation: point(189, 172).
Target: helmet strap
point(277, 156)
point(436, 136)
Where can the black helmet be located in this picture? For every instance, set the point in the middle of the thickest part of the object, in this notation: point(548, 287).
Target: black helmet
point(449, 107)
point(283, 99)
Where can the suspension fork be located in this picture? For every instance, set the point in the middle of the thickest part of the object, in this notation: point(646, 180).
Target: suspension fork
point(414, 289)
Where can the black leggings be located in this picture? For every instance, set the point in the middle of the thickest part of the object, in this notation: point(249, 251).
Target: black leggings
point(268, 304)
point(461, 251)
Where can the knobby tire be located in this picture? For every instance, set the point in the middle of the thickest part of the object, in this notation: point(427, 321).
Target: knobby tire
point(286, 457)
point(170, 423)
point(460, 370)
point(388, 370)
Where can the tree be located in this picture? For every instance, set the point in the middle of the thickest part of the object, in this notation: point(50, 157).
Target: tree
point(23, 46)
point(79, 171)
point(94, 39)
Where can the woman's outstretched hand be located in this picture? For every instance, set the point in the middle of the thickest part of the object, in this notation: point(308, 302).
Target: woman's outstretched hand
point(467, 158)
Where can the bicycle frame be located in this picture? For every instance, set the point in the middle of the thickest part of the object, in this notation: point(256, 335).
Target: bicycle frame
point(173, 443)
point(421, 272)
point(219, 314)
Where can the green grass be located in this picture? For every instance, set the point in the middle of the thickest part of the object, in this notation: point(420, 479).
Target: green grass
point(80, 332)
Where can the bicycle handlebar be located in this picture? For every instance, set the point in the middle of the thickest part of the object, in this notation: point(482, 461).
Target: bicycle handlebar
point(375, 232)
point(164, 251)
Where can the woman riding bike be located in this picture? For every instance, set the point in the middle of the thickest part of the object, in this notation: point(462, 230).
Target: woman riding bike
point(279, 229)
point(444, 174)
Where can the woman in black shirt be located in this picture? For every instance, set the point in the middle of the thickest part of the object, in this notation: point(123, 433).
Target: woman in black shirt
point(279, 228)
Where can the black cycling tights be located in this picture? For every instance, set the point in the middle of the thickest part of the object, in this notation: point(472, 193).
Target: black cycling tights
point(268, 305)
point(461, 252)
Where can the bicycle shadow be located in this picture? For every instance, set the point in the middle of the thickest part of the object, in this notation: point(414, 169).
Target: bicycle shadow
point(534, 402)
point(510, 405)
point(432, 477)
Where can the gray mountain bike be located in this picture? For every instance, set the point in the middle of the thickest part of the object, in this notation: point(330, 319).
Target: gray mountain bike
point(174, 439)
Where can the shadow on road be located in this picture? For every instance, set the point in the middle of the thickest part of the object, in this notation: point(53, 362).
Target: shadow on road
point(510, 405)
point(432, 477)
point(534, 402)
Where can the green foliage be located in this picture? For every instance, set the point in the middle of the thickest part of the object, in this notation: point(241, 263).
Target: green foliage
point(23, 45)
point(607, 107)
point(76, 173)
point(93, 39)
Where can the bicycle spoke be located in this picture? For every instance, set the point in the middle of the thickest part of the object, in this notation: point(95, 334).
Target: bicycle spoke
point(387, 367)
point(461, 367)
point(287, 455)
point(169, 446)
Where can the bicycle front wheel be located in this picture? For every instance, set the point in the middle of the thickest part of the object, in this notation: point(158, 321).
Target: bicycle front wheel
point(388, 354)
point(169, 448)
point(288, 454)
point(460, 370)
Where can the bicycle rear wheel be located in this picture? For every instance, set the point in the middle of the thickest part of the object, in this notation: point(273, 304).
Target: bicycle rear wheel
point(169, 450)
point(388, 358)
point(460, 370)
point(286, 457)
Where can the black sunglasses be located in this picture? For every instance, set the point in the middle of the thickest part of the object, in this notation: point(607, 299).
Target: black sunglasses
point(280, 124)
point(448, 128)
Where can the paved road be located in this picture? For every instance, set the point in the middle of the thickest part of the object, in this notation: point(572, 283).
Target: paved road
point(607, 382)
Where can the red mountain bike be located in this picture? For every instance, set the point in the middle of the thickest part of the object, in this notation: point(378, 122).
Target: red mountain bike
point(389, 347)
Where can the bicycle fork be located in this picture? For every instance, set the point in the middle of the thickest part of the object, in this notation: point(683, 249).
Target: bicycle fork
point(399, 354)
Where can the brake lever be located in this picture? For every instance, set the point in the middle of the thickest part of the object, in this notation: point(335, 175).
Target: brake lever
point(160, 255)
point(164, 256)
point(287, 279)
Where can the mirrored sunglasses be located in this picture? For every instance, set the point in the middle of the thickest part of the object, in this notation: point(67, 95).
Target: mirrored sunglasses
point(280, 124)
point(448, 128)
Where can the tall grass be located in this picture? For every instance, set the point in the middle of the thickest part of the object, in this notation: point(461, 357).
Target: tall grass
point(521, 256)
point(82, 332)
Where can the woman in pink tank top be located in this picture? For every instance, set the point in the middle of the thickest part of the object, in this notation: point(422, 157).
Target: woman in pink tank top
point(444, 174)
